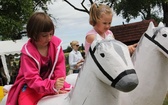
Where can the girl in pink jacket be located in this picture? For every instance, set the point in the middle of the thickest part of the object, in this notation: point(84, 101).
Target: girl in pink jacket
point(42, 66)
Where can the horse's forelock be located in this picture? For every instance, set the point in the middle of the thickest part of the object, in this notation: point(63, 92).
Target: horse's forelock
point(104, 44)
point(158, 29)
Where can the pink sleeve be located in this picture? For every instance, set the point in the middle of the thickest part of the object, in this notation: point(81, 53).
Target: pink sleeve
point(32, 76)
point(60, 69)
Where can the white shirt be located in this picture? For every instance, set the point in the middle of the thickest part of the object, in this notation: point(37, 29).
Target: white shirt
point(74, 58)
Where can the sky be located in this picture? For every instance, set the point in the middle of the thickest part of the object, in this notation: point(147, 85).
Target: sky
point(72, 24)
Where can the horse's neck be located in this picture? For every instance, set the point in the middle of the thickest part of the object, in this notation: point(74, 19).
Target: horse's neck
point(151, 67)
point(147, 57)
point(89, 90)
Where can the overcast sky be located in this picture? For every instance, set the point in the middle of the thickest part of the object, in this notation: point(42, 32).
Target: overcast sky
point(72, 24)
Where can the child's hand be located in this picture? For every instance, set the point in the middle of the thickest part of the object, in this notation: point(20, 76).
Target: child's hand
point(59, 83)
point(82, 60)
point(79, 64)
point(132, 48)
point(5, 92)
point(62, 92)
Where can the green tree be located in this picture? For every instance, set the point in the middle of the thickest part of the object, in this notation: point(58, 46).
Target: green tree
point(14, 15)
point(164, 5)
point(68, 49)
point(130, 9)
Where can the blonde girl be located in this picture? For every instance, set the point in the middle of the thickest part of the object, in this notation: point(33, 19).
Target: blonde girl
point(101, 19)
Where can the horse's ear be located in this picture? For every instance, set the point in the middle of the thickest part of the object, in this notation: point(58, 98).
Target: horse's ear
point(109, 37)
point(151, 25)
point(161, 25)
point(150, 28)
point(98, 37)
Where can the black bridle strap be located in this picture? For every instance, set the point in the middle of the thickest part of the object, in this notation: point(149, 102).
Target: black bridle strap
point(124, 73)
point(155, 42)
point(98, 64)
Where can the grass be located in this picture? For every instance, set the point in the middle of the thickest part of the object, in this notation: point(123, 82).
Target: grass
point(166, 100)
point(66, 62)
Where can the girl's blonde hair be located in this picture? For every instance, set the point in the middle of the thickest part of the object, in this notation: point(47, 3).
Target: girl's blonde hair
point(73, 43)
point(96, 11)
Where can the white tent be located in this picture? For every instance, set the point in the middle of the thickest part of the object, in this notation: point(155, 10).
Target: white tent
point(10, 47)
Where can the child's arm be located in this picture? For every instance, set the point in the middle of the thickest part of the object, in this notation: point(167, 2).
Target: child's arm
point(59, 85)
point(60, 70)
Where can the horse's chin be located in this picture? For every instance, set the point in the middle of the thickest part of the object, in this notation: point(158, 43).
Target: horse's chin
point(127, 83)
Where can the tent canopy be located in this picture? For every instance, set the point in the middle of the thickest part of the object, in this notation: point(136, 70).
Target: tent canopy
point(11, 47)
point(7, 48)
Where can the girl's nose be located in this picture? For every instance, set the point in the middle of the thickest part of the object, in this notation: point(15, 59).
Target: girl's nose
point(108, 26)
point(49, 37)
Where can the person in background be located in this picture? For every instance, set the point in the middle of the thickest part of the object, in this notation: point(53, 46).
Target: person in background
point(42, 67)
point(101, 19)
point(13, 73)
point(75, 58)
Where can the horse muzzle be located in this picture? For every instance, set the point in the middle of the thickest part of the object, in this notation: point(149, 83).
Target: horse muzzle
point(126, 81)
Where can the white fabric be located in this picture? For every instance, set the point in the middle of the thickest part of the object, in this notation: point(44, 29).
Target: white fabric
point(10, 47)
point(5, 68)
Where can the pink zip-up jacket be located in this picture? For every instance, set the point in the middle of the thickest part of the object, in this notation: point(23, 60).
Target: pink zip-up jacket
point(29, 72)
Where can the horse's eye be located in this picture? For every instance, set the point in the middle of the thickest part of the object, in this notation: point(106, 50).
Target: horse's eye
point(102, 54)
point(164, 35)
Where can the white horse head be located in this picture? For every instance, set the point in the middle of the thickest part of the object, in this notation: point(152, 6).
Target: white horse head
point(113, 62)
point(151, 62)
point(107, 70)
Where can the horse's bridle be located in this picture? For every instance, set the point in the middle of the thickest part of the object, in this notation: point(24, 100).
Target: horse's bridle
point(114, 81)
point(152, 39)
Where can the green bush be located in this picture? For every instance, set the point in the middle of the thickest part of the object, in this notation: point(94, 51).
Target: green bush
point(166, 100)
point(66, 62)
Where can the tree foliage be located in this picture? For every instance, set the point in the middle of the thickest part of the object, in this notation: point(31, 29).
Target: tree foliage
point(131, 9)
point(14, 15)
